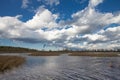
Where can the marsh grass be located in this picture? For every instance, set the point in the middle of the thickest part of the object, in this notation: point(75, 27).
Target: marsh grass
point(95, 54)
point(9, 62)
point(47, 53)
point(77, 53)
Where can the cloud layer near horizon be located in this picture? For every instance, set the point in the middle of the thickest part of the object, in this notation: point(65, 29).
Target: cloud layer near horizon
point(86, 30)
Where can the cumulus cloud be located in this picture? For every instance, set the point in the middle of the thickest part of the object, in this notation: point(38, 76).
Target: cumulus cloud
point(42, 19)
point(8, 28)
point(86, 29)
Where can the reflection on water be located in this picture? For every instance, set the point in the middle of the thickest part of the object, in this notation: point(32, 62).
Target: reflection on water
point(14, 54)
point(66, 68)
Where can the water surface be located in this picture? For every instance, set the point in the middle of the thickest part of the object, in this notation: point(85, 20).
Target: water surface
point(66, 68)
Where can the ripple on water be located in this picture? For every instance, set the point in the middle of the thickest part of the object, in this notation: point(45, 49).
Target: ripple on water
point(65, 68)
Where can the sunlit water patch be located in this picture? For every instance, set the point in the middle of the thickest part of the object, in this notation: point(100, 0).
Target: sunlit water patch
point(66, 68)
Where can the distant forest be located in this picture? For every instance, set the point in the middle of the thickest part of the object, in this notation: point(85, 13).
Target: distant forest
point(10, 49)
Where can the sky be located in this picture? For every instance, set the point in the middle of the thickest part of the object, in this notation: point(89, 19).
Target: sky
point(60, 24)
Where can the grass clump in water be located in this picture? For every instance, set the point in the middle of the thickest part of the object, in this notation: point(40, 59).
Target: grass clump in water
point(9, 62)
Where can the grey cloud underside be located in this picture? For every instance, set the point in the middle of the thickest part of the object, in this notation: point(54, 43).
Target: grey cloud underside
point(27, 40)
point(84, 31)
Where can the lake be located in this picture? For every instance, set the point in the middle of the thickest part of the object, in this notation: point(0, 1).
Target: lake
point(65, 68)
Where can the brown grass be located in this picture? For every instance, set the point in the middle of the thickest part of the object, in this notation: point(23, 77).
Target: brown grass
point(9, 62)
point(77, 53)
point(95, 54)
point(46, 53)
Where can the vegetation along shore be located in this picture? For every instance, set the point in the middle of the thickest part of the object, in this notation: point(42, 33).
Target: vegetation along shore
point(9, 62)
point(33, 52)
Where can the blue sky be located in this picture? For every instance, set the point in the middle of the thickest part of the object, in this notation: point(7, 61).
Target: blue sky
point(58, 24)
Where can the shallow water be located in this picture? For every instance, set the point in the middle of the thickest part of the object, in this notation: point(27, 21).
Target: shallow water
point(66, 68)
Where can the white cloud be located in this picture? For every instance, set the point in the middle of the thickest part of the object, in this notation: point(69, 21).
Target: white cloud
point(42, 19)
point(25, 3)
point(94, 19)
point(84, 30)
point(104, 39)
point(94, 3)
point(112, 33)
point(50, 2)
point(94, 37)
point(8, 28)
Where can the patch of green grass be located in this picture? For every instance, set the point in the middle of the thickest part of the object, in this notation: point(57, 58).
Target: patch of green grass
point(9, 62)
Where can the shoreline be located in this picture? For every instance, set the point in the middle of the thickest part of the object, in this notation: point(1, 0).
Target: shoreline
point(90, 54)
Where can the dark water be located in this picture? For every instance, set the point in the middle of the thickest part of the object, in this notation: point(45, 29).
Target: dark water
point(66, 68)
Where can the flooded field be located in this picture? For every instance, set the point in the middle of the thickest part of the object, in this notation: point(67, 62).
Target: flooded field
point(66, 68)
